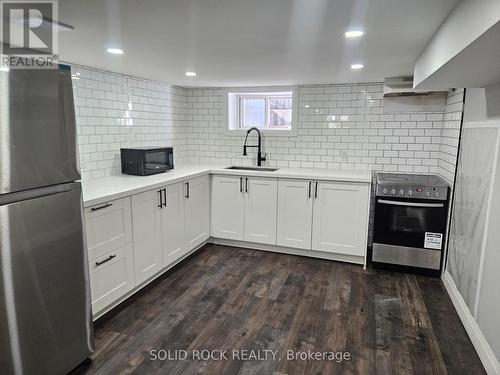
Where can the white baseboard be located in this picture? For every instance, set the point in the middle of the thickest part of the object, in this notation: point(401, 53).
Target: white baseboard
point(483, 349)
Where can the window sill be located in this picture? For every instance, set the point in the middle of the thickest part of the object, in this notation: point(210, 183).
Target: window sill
point(264, 132)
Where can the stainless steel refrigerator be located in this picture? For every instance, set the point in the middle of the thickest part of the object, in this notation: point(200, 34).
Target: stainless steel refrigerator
point(45, 309)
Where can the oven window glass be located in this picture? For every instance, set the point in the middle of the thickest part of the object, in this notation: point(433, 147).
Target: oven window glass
point(406, 225)
point(156, 160)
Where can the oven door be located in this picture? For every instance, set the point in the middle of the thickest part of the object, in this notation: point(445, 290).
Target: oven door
point(159, 160)
point(409, 223)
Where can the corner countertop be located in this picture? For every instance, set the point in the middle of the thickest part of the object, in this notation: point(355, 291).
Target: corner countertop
point(100, 190)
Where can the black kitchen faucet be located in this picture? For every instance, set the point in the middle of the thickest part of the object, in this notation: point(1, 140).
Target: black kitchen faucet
point(260, 158)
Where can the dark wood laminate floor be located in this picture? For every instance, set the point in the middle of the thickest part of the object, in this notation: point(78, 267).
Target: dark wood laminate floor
point(235, 299)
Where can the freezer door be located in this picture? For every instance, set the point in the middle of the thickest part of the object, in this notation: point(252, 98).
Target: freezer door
point(37, 129)
point(45, 310)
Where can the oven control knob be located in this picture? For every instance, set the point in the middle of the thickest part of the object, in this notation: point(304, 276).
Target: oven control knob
point(436, 194)
point(393, 191)
point(401, 192)
point(427, 194)
point(384, 191)
point(410, 192)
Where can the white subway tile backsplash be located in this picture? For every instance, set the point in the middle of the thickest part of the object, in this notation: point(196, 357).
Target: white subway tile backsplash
point(339, 126)
point(114, 111)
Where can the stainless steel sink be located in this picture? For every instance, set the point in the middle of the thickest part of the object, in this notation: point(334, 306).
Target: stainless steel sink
point(262, 169)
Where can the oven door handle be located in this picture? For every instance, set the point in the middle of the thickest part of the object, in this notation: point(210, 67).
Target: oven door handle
point(413, 204)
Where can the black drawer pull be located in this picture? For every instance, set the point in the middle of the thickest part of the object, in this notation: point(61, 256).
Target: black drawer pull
point(101, 207)
point(105, 260)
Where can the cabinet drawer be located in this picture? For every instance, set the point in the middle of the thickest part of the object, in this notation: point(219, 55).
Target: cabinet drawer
point(111, 277)
point(108, 227)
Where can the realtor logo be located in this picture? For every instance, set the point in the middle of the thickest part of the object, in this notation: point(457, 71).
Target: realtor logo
point(28, 37)
point(27, 27)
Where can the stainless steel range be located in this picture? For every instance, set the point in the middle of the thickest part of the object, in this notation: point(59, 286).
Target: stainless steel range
point(410, 221)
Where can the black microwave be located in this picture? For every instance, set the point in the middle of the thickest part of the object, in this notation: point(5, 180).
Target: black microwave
point(144, 161)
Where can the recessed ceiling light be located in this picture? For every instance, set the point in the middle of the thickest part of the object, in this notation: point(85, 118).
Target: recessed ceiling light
point(190, 74)
point(4, 69)
point(357, 66)
point(115, 51)
point(353, 33)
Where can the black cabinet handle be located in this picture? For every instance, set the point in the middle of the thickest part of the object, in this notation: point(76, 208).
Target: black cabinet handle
point(246, 184)
point(310, 183)
point(164, 197)
point(105, 260)
point(187, 190)
point(161, 198)
point(101, 207)
point(241, 184)
point(316, 191)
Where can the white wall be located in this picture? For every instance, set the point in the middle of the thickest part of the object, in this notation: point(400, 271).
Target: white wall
point(474, 252)
point(114, 111)
point(366, 139)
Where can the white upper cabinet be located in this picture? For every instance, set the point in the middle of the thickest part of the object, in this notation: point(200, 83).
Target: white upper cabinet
point(108, 226)
point(295, 207)
point(147, 229)
point(261, 200)
point(173, 224)
point(340, 218)
point(197, 214)
point(228, 207)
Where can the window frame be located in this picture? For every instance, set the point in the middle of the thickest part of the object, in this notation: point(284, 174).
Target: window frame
point(233, 106)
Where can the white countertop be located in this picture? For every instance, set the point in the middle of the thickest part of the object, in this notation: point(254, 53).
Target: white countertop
point(103, 189)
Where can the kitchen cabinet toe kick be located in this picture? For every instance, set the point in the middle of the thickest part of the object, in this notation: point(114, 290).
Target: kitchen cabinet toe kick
point(358, 260)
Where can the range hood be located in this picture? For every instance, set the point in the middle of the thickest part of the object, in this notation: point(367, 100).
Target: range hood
point(399, 96)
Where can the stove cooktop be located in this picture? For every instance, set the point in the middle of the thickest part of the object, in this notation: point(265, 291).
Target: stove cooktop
point(411, 186)
point(411, 179)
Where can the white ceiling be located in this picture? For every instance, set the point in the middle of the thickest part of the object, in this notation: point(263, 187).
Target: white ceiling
point(250, 42)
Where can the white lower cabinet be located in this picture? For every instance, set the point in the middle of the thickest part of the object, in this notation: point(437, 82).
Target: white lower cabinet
point(173, 224)
point(111, 277)
point(261, 200)
point(324, 216)
point(196, 211)
point(147, 230)
point(340, 218)
point(167, 223)
point(295, 207)
point(164, 224)
point(228, 207)
point(244, 208)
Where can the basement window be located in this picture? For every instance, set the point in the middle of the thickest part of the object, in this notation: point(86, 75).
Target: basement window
point(270, 111)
